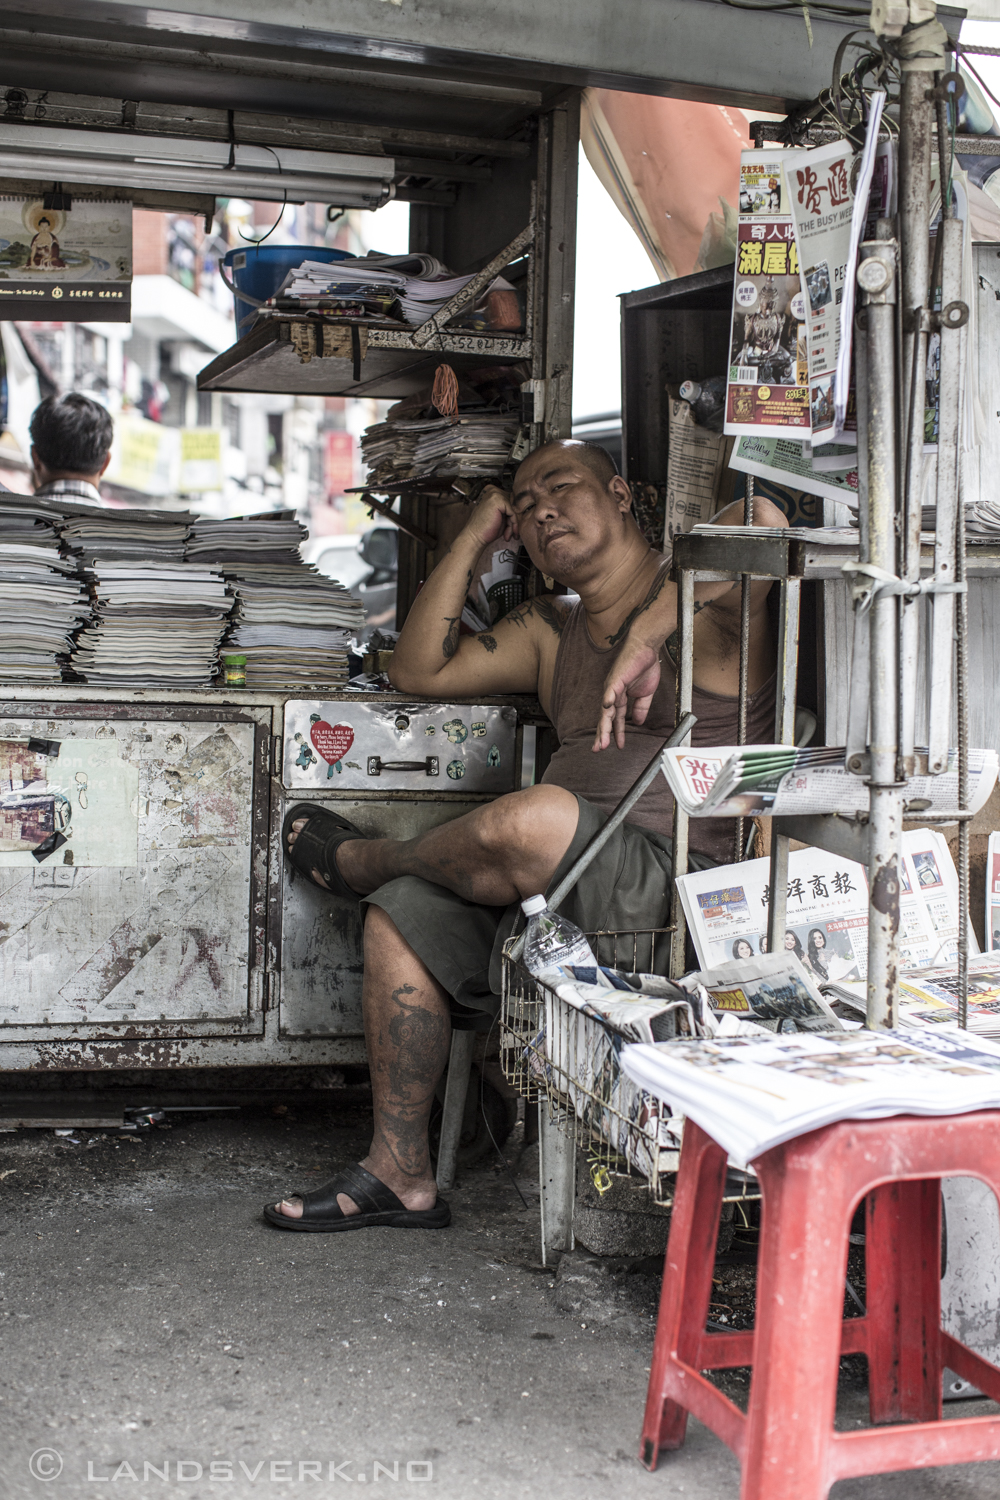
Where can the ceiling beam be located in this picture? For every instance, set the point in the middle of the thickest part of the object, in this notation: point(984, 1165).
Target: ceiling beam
point(696, 49)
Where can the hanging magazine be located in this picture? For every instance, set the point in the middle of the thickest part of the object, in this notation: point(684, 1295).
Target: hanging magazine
point(753, 781)
point(767, 391)
point(753, 1093)
point(993, 892)
point(829, 221)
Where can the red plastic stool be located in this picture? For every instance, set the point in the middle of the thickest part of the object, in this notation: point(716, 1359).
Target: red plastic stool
point(811, 1186)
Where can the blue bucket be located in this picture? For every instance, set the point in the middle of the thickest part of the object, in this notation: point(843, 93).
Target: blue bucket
point(259, 270)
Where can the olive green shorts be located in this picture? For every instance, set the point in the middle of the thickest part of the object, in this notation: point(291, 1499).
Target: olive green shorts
point(626, 888)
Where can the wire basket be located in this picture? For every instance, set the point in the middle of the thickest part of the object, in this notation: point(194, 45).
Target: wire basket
point(572, 1060)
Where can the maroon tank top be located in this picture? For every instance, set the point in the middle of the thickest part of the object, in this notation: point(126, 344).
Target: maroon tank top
point(577, 690)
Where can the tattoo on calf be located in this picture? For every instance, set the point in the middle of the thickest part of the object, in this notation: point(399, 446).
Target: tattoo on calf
point(419, 1038)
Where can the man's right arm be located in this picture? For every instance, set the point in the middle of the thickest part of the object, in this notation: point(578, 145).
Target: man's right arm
point(431, 658)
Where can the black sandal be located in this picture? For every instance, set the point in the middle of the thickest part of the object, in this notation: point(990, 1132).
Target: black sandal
point(377, 1204)
point(316, 844)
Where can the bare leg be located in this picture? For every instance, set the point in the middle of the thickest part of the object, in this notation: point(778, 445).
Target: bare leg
point(500, 853)
point(408, 1034)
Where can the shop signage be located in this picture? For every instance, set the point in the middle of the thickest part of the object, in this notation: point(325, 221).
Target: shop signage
point(65, 264)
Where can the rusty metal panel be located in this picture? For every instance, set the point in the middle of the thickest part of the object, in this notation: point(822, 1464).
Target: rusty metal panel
point(350, 745)
point(142, 918)
point(321, 953)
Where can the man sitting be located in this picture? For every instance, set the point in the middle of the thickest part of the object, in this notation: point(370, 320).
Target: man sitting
point(440, 906)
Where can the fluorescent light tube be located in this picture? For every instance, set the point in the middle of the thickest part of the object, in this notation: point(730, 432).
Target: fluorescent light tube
point(174, 164)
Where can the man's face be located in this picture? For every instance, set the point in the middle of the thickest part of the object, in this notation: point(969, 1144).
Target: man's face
point(567, 518)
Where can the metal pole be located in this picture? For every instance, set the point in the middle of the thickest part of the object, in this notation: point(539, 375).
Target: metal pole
point(685, 685)
point(942, 633)
point(877, 279)
point(915, 126)
point(739, 842)
point(962, 643)
point(784, 733)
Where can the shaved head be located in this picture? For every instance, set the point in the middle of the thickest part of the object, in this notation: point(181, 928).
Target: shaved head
point(597, 459)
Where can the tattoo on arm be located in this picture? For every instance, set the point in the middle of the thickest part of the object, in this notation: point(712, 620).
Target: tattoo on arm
point(450, 643)
point(489, 641)
point(553, 616)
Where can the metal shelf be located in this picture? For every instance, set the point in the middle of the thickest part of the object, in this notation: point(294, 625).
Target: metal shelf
point(799, 552)
point(390, 365)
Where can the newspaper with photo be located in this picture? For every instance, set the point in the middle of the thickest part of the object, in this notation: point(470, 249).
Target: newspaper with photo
point(829, 219)
point(751, 1093)
point(767, 389)
point(773, 990)
point(726, 910)
point(753, 781)
point(930, 996)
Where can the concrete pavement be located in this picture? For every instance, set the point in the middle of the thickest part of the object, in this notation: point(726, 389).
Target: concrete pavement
point(153, 1326)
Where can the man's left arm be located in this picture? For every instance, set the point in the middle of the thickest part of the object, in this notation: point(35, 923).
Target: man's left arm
point(635, 676)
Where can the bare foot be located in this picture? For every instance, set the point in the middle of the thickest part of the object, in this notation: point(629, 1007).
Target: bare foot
point(422, 1196)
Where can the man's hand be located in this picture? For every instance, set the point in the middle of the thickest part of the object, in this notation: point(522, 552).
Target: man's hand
point(493, 518)
point(632, 680)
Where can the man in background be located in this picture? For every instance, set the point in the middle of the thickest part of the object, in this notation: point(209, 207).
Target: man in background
point(70, 446)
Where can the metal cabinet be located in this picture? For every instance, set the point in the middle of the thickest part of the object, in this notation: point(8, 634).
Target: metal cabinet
point(147, 915)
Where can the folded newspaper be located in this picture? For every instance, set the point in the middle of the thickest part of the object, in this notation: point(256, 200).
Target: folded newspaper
point(754, 781)
point(593, 1013)
point(774, 992)
point(929, 997)
point(826, 924)
point(587, 1021)
point(753, 1093)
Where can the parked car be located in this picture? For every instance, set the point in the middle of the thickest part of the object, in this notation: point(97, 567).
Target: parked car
point(368, 565)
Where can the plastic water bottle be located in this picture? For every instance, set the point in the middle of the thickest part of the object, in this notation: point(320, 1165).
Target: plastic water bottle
point(552, 941)
point(707, 401)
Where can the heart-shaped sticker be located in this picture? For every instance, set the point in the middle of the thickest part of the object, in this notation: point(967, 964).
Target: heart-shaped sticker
point(332, 740)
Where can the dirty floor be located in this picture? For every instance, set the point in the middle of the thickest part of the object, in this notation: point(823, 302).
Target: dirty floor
point(154, 1327)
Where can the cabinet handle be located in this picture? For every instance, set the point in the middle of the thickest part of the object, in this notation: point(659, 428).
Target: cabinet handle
point(376, 765)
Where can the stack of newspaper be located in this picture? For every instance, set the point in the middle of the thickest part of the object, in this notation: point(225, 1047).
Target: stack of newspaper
point(42, 600)
point(156, 621)
point(753, 781)
point(751, 1093)
point(982, 518)
point(414, 287)
point(475, 443)
point(293, 625)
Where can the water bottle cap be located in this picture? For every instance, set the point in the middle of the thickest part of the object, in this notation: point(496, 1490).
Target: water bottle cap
point(533, 904)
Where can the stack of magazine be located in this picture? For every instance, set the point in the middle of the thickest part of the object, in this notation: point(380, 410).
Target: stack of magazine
point(751, 781)
point(293, 624)
point(156, 621)
point(42, 600)
point(750, 1093)
point(470, 445)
